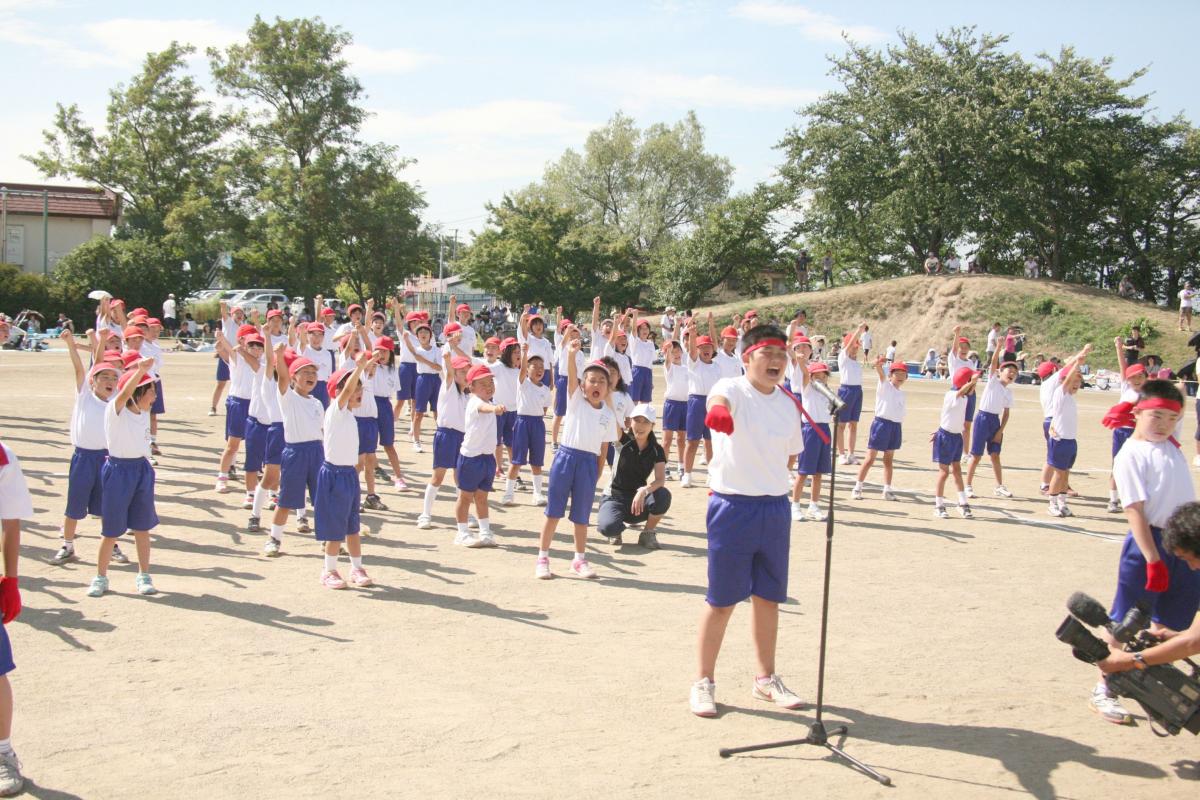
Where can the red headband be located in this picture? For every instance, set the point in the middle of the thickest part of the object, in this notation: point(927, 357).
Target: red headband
point(764, 343)
point(1159, 402)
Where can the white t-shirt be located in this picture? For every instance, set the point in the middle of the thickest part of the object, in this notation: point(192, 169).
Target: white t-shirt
point(954, 363)
point(1186, 296)
point(891, 353)
point(849, 370)
point(169, 309)
point(1154, 474)
point(324, 359)
point(341, 435)
point(866, 340)
point(127, 434)
point(302, 417)
point(468, 340)
point(993, 337)
point(452, 406)
point(257, 400)
point(151, 349)
point(507, 380)
point(538, 346)
point(599, 345)
point(1046, 391)
point(730, 366)
point(270, 410)
point(1128, 393)
point(622, 405)
point(1064, 415)
point(532, 398)
point(701, 377)
point(890, 403)
point(386, 381)
point(479, 435)
point(433, 353)
point(561, 363)
point(624, 363)
point(766, 432)
point(954, 412)
point(586, 427)
point(995, 396)
point(404, 355)
point(367, 408)
point(242, 376)
point(15, 500)
point(642, 352)
point(677, 380)
point(814, 402)
point(87, 420)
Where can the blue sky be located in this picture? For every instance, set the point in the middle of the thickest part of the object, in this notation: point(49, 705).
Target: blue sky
point(484, 94)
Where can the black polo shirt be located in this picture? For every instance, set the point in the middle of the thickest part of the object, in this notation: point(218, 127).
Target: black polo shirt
point(633, 466)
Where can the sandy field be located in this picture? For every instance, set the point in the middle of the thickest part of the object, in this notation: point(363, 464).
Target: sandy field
point(461, 675)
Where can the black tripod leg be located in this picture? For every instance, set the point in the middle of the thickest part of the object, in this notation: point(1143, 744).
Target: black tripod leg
point(860, 766)
point(726, 752)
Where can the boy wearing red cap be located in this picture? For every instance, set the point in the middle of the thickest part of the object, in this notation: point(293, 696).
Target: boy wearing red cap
point(990, 421)
point(1064, 428)
point(408, 362)
point(601, 332)
point(336, 504)
point(16, 504)
point(451, 424)
point(850, 393)
point(643, 352)
point(475, 470)
point(303, 447)
point(703, 373)
point(245, 370)
point(532, 332)
point(127, 478)
point(948, 442)
point(816, 458)
point(887, 427)
point(957, 357)
point(727, 358)
point(383, 385)
point(568, 332)
point(529, 431)
point(756, 426)
point(674, 414)
point(429, 378)
point(1133, 377)
point(462, 314)
point(264, 436)
point(231, 320)
point(308, 340)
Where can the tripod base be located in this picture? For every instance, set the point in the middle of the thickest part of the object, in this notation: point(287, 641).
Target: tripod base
point(818, 736)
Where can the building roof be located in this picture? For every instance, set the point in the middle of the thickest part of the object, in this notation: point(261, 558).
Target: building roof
point(63, 201)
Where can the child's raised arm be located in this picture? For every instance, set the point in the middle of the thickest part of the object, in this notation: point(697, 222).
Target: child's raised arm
point(142, 367)
point(69, 340)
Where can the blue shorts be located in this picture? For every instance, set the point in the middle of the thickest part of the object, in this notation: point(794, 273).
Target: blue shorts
point(368, 434)
point(222, 370)
point(987, 425)
point(573, 476)
point(425, 395)
point(255, 437)
point(387, 420)
point(160, 405)
point(321, 391)
point(1176, 607)
point(335, 506)
point(529, 441)
point(641, 390)
point(237, 410)
point(970, 407)
point(817, 456)
point(408, 381)
point(84, 486)
point(697, 410)
point(475, 473)
point(1119, 437)
point(1190, 387)
point(560, 395)
point(748, 542)
point(884, 436)
point(6, 654)
point(546, 376)
point(852, 397)
point(446, 444)
point(674, 415)
point(504, 428)
point(1062, 452)
point(274, 456)
point(1046, 429)
point(947, 447)
point(128, 496)
point(298, 472)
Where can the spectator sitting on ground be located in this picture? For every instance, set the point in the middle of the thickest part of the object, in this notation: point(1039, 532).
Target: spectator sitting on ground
point(932, 265)
point(943, 370)
point(1126, 288)
point(929, 367)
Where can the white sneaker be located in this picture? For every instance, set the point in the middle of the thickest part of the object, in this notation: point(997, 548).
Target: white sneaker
point(703, 460)
point(844, 459)
point(703, 698)
point(856, 493)
point(248, 503)
point(486, 539)
point(465, 539)
point(538, 499)
point(271, 549)
point(1196, 461)
point(815, 514)
point(797, 512)
point(472, 524)
point(1066, 511)
point(965, 512)
point(1002, 491)
point(424, 522)
point(508, 499)
point(1108, 707)
point(888, 494)
point(582, 568)
point(940, 512)
point(542, 570)
point(417, 448)
point(773, 691)
point(854, 459)
point(1114, 507)
point(1055, 511)
point(686, 481)
point(222, 485)
point(970, 492)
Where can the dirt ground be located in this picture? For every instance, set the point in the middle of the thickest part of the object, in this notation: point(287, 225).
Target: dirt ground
point(460, 674)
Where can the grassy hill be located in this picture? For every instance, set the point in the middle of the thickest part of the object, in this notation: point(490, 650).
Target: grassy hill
point(920, 312)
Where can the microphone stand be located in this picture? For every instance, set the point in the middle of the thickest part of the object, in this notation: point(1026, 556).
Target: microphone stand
point(818, 734)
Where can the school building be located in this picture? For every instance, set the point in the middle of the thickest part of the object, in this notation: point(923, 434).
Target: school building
point(41, 224)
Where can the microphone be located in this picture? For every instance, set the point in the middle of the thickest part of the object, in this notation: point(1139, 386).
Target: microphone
point(1088, 610)
point(835, 402)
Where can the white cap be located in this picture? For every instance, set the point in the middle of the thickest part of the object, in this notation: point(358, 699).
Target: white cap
point(643, 410)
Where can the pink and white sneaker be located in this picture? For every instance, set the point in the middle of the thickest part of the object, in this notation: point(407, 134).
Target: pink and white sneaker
point(360, 579)
point(400, 485)
point(331, 580)
point(582, 568)
point(222, 484)
point(542, 570)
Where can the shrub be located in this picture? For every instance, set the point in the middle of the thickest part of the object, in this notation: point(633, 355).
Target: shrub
point(21, 290)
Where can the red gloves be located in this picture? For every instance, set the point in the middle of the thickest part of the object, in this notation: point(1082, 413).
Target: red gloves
point(719, 419)
point(10, 600)
point(1157, 576)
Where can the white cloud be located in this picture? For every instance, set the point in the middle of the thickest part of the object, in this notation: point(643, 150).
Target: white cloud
point(812, 24)
point(643, 88)
point(366, 60)
point(127, 41)
point(512, 119)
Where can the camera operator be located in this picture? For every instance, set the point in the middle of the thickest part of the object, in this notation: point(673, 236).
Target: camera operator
point(1181, 537)
point(640, 458)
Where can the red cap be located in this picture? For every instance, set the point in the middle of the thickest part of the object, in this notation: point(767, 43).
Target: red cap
point(298, 363)
point(289, 355)
point(620, 335)
point(1134, 369)
point(817, 366)
point(962, 376)
point(460, 362)
point(453, 327)
point(130, 357)
point(109, 333)
point(563, 324)
point(642, 322)
point(335, 380)
point(246, 330)
point(703, 340)
point(354, 307)
point(597, 364)
point(478, 371)
point(413, 316)
point(462, 307)
point(379, 315)
point(493, 340)
point(729, 332)
point(132, 331)
point(255, 338)
point(537, 318)
point(751, 314)
point(154, 322)
point(1044, 369)
point(327, 312)
point(898, 366)
point(274, 312)
point(124, 380)
point(509, 342)
point(385, 343)
point(116, 301)
point(963, 340)
point(103, 366)
point(1007, 364)
point(800, 338)
point(139, 312)
point(139, 319)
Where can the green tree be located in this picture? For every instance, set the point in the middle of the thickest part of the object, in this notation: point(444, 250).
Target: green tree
point(535, 249)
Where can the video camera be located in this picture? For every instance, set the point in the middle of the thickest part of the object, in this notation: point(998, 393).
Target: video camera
point(1170, 696)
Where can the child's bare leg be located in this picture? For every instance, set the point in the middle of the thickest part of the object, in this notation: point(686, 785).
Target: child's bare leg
point(766, 632)
point(354, 545)
point(481, 505)
point(866, 465)
point(461, 506)
point(713, 622)
point(580, 536)
point(958, 476)
point(888, 467)
point(815, 497)
point(943, 474)
point(997, 469)
point(548, 528)
point(971, 469)
point(142, 541)
point(104, 554)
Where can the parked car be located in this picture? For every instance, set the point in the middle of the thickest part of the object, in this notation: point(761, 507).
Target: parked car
point(262, 301)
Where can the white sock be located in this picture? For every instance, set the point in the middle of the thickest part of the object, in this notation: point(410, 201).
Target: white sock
point(887, 487)
point(510, 485)
point(858, 485)
point(356, 562)
point(962, 498)
point(303, 513)
point(260, 499)
point(1062, 500)
point(223, 476)
point(581, 556)
point(277, 532)
point(813, 506)
point(543, 553)
point(485, 525)
point(6, 746)
point(462, 528)
point(330, 563)
point(68, 543)
point(939, 502)
point(430, 495)
point(1113, 496)
point(537, 484)
point(1044, 486)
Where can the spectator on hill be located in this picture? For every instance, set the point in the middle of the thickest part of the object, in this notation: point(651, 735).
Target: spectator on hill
point(827, 269)
point(801, 265)
point(866, 340)
point(1126, 288)
point(1187, 297)
point(170, 319)
point(932, 265)
point(993, 340)
point(1134, 345)
point(1014, 341)
point(1031, 268)
point(953, 264)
